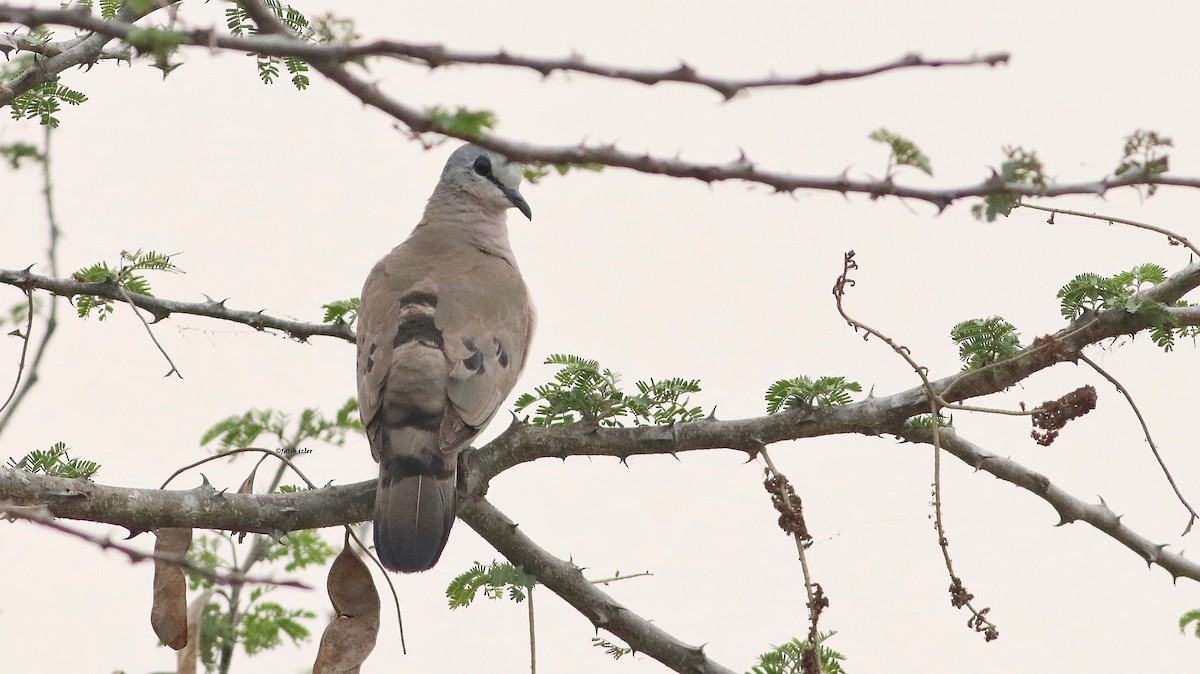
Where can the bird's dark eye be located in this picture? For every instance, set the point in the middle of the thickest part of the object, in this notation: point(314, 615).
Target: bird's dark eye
point(483, 166)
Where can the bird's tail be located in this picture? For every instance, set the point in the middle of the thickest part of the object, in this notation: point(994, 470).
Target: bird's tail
point(413, 516)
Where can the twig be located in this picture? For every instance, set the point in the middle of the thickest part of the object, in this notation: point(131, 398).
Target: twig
point(52, 258)
point(1192, 516)
point(24, 349)
point(163, 308)
point(532, 637)
point(619, 576)
point(174, 369)
point(1174, 238)
point(792, 522)
point(42, 517)
point(959, 597)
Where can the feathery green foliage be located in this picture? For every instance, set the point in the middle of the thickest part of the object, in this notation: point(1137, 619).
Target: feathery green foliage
point(1093, 292)
point(242, 430)
point(1192, 616)
point(786, 659)
point(257, 625)
point(341, 311)
point(805, 392)
point(904, 151)
point(124, 275)
point(461, 122)
point(239, 22)
point(1023, 166)
point(43, 102)
point(985, 341)
point(610, 648)
point(1143, 154)
point(536, 172)
point(497, 580)
point(55, 462)
point(925, 422)
point(582, 388)
point(18, 151)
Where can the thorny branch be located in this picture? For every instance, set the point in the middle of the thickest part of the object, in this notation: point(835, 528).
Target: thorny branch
point(325, 58)
point(129, 300)
point(437, 56)
point(163, 308)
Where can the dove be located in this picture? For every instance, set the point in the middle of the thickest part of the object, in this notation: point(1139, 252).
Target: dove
point(444, 327)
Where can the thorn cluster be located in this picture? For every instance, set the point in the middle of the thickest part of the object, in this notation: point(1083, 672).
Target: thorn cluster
point(1052, 415)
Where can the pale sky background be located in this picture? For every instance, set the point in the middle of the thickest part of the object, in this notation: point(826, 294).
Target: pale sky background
point(283, 200)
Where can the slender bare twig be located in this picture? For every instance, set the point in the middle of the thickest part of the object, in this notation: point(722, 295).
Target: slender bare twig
point(799, 533)
point(162, 308)
point(532, 637)
point(129, 300)
point(1192, 516)
point(1172, 237)
point(42, 517)
point(25, 339)
point(52, 257)
point(620, 576)
point(959, 597)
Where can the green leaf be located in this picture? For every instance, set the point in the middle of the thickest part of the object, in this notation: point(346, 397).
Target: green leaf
point(1022, 166)
point(1192, 616)
point(300, 549)
point(1093, 292)
point(461, 122)
point(985, 341)
point(787, 658)
point(804, 392)
point(581, 388)
point(55, 462)
point(16, 152)
point(341, 311)
point(1143, 154)
point(497, 581)
point(904, 151)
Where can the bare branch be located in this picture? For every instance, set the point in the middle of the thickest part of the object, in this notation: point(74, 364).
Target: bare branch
point(162, 308)
point(43, 518)
point(1069, 508)
point(25, 339)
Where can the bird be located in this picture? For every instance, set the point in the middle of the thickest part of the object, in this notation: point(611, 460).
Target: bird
point(444, 326)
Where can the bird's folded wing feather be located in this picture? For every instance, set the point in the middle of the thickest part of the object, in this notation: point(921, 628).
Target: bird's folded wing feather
point(483, 321)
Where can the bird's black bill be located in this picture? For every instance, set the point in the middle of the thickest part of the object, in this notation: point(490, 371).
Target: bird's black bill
point(519, 201)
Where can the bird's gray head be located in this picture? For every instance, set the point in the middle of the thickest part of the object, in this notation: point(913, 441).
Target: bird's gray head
point(485, 176)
